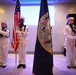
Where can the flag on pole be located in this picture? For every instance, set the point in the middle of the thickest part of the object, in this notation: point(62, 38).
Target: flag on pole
point(15, 40)
point(43, 56)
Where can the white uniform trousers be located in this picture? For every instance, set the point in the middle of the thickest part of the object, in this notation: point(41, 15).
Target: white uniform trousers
point(3, 54)
point(74, 54)
point(22, 51)
point(69, 56)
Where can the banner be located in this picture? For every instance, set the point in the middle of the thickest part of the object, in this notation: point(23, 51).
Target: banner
point(43, 56)
point(15, 40)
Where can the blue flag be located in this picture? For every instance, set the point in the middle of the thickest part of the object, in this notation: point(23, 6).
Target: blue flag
point(43, 56)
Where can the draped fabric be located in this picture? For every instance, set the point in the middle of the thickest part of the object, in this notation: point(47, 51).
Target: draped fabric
point(15, 40)
point(43, 56)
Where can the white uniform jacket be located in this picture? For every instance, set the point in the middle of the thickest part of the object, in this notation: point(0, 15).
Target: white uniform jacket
point(69, 36)
point(5, 34)
point(22, 34)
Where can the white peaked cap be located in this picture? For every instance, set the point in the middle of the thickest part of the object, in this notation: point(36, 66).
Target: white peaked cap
point(3, 21)
point(22, 17)
point(70, 18)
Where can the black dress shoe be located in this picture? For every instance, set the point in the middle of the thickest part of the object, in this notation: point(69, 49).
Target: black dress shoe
point(0, 65)
point(74, 67)
point(23, 65)
point(3, 66)
point(19, 66)
point(69, 67)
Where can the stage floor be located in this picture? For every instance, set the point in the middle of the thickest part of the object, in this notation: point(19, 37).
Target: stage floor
point(59, 66)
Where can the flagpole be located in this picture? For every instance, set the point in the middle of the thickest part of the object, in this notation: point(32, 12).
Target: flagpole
point(15, 58)
point(15, 40)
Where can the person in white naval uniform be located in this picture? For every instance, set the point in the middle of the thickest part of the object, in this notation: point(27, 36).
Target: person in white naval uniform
point(70, 36)
point(4, 44)
point(22, 34)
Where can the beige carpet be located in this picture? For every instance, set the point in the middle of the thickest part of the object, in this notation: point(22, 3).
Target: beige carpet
point(59, 66)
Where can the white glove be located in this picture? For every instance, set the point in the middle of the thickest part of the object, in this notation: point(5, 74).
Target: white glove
point(74, 37)
point(17, 31)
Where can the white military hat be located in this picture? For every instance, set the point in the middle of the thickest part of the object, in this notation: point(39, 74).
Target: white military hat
point(70, 18)
point(22, 17)
point(3, 21)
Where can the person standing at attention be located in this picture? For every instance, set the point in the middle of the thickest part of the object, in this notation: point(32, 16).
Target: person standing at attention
point(4, 44)
point(70, 36)
point(22, 34)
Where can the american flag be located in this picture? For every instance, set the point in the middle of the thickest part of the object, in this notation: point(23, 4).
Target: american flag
point(15, 40)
